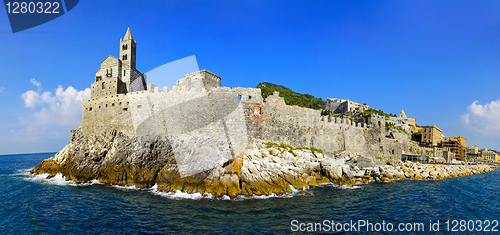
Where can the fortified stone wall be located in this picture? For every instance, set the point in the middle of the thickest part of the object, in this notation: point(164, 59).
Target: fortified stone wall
point(251, 100)
point(107, 87)
point(239, 115)
point(200, 79)
point(305, 127)
point(106, 113)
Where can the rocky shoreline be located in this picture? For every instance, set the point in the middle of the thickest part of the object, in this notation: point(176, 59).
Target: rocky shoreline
point(262, 169)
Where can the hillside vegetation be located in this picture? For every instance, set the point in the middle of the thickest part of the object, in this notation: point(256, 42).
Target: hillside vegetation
point(292, 97)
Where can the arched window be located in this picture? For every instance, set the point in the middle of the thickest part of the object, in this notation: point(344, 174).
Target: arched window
point(124, 57)
point(125, 47)
point(102, 85)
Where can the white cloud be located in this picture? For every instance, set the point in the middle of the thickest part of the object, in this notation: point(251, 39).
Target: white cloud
point(31, 98)
point(47, 122)
point(483, 118)
point(37, 84)
point(64, 108)
point(1, 89)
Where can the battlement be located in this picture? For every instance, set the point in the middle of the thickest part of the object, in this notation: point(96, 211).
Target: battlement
point(200, 79)
point(343, 121)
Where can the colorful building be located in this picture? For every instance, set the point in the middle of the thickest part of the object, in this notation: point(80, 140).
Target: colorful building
point(431, 136)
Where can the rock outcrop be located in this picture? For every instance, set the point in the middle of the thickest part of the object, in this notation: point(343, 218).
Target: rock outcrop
point(114, 158)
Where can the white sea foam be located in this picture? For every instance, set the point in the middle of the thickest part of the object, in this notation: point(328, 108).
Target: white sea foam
point(58, 179)
point(177, 195)
point(126, 187)
point(340, 186)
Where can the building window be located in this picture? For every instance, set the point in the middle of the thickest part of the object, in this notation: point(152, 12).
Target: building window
point(125, 47)
point(239, 97)
point(257, 113)
point(124, 57)
point(124, 72)
point(103, 85)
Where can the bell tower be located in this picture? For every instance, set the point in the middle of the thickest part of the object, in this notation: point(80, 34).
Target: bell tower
point(127, 56)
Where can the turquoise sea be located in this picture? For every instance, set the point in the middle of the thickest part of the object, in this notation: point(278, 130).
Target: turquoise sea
point(33, 205)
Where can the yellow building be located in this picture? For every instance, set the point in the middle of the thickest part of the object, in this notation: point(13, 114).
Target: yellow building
point(498, 157)
point(457, 145)
point(462, 140)
point(431, 136)
point(412, 122)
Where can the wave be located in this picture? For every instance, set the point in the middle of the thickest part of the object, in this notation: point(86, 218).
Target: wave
point(58, 179)
point(178, 195)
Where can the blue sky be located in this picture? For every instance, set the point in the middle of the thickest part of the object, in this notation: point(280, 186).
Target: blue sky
point(433, 59)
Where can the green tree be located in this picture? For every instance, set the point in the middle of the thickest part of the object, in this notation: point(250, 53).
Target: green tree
point(291, 97)
point(417, 136)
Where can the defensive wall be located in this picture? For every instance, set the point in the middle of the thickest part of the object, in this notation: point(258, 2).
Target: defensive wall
point(198, 102)
point(306, 127)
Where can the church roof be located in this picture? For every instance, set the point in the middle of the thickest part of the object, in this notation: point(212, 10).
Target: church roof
point(110, 57)
point(128, 35)
point(402, 114)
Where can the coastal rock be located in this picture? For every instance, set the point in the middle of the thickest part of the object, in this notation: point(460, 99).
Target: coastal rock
point(113, 158)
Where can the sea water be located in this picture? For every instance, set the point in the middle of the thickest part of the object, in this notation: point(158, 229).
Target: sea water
point(35, 205)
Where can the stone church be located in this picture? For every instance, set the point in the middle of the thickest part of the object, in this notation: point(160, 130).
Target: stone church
point(119, 75)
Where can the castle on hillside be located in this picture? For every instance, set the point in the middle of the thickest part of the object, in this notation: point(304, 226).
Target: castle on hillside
point(199, 116)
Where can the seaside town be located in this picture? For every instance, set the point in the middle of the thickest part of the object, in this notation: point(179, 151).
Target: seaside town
point(201, 137)
point(454, 148)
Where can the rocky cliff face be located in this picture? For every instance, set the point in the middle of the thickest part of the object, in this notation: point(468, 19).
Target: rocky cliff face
point(114, 158)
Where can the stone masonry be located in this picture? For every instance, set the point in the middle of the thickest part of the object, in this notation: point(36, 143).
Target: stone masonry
point(229, 118)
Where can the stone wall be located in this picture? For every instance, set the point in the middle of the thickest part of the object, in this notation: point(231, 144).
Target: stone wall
point(198, 105)
point(108, 79)
point(106, 87)
point(344, 106)
point(305, 127)
point(110, 67)
point(106, 113)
